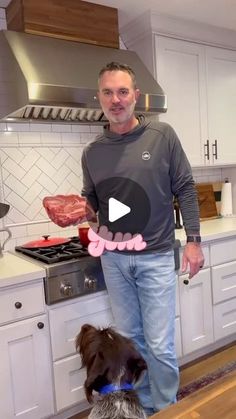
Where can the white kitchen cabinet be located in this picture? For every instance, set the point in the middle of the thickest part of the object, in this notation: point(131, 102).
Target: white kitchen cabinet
point(25, 372)
point(221, 95)
point(180, 71)
point(66, 320)
point(223, 256)
point(196, 311)
point(200, 83)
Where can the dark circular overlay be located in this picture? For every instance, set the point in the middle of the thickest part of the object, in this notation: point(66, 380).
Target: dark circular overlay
point(129, 193)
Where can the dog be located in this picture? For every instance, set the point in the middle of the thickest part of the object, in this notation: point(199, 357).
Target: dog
point(112, 365)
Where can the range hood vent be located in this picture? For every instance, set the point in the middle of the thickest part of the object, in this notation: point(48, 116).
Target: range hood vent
point(52, 79)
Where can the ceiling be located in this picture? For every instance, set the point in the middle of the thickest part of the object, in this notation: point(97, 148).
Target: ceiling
point(214, 12)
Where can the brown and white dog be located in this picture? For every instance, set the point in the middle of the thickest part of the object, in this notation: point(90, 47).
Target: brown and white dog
point(113, 365)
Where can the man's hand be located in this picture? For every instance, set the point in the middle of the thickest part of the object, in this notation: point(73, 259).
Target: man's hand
point(193, 257)
point(66, 210)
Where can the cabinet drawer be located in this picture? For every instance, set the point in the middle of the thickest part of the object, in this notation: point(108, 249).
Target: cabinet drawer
point(69, 382)
point(224, 319)
point(223, 251)
point(205, 250)
point(66, 321)
point(224, 282)
point(20, 302)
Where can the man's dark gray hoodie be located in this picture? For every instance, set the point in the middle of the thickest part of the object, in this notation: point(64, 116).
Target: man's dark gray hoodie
point(165, 173)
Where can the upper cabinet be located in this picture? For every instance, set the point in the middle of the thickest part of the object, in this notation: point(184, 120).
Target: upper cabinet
point(200, 83)
point(195, 64)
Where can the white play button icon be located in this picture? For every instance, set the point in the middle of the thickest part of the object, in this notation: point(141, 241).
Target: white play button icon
point(116, 209)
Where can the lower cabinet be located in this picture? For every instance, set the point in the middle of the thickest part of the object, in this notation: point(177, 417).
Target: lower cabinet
point(65, 323)
point(25, 374)
point(196, 311)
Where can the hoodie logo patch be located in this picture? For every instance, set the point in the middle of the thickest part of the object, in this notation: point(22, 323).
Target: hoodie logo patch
point(146, 155)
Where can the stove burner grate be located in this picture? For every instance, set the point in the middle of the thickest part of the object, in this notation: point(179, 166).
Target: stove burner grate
point(58, 253)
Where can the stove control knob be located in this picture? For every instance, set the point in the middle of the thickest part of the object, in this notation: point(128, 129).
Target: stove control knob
point(66, 290)
point(90, 283)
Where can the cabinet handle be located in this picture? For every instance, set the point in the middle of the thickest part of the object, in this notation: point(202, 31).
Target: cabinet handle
point(214, 150)
point(18, 304)
point(186, 281)
point(40, 325)
point(207, 150)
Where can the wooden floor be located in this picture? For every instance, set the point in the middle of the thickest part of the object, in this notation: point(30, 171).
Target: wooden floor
point(216, 401)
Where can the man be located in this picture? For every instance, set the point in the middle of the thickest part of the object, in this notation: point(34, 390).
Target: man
point(141, 285)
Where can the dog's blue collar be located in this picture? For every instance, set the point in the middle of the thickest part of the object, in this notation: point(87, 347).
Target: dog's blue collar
point(109, 388)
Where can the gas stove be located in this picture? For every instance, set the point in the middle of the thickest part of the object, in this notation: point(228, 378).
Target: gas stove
point(70, 270)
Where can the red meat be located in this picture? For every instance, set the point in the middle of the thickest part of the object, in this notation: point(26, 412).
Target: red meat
point(66, 210)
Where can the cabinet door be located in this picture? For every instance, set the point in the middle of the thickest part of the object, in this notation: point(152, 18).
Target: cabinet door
point(196, 311)
point(69, 382)
point(180, 70)
point(221, 88)
point(25, 373)
point(66, 321)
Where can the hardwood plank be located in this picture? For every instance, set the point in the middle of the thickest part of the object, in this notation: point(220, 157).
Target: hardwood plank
point(201, 399)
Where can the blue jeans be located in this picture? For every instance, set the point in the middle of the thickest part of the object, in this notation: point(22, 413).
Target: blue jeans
point(142, 293)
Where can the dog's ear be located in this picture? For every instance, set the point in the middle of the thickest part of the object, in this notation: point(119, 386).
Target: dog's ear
point(136, 365)
point(95, 376)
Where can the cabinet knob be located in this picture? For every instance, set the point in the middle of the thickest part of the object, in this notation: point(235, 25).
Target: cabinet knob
point(90, 283)
point(186, 281)
point(40, 325)
point(66, 290)
point(18, 304)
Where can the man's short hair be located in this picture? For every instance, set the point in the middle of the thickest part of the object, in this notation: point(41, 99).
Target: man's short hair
point(115, 66)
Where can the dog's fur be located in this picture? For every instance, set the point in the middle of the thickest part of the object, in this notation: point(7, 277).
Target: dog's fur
point(110, 358)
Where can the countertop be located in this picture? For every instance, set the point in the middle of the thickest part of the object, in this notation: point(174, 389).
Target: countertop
point(15, 270)
point(214, 229)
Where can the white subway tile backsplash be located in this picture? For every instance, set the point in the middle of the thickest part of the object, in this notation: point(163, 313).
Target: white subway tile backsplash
point(13, 153)
point(70, 138)
point(45, 167)
point(31, 176)
point(18, 127)
point(14, 184)
point(18, 231)
point(47, 183)
point(61, 127)
point(33, 210)
point(74, 165)
point(12, 167)
point(87, 138)
point(26, 138)
point(38, 229)
point(80, 128)
point(32, 193)
point(30, 159)
point(8, 138)
point(49, 138)
point(44, 127)
point(97, 129)
point(60, 158)
point(18, 202)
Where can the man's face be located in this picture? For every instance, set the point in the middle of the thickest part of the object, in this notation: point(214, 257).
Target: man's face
point(117, 96)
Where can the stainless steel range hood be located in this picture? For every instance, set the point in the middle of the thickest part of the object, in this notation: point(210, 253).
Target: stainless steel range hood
point(50, 79)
